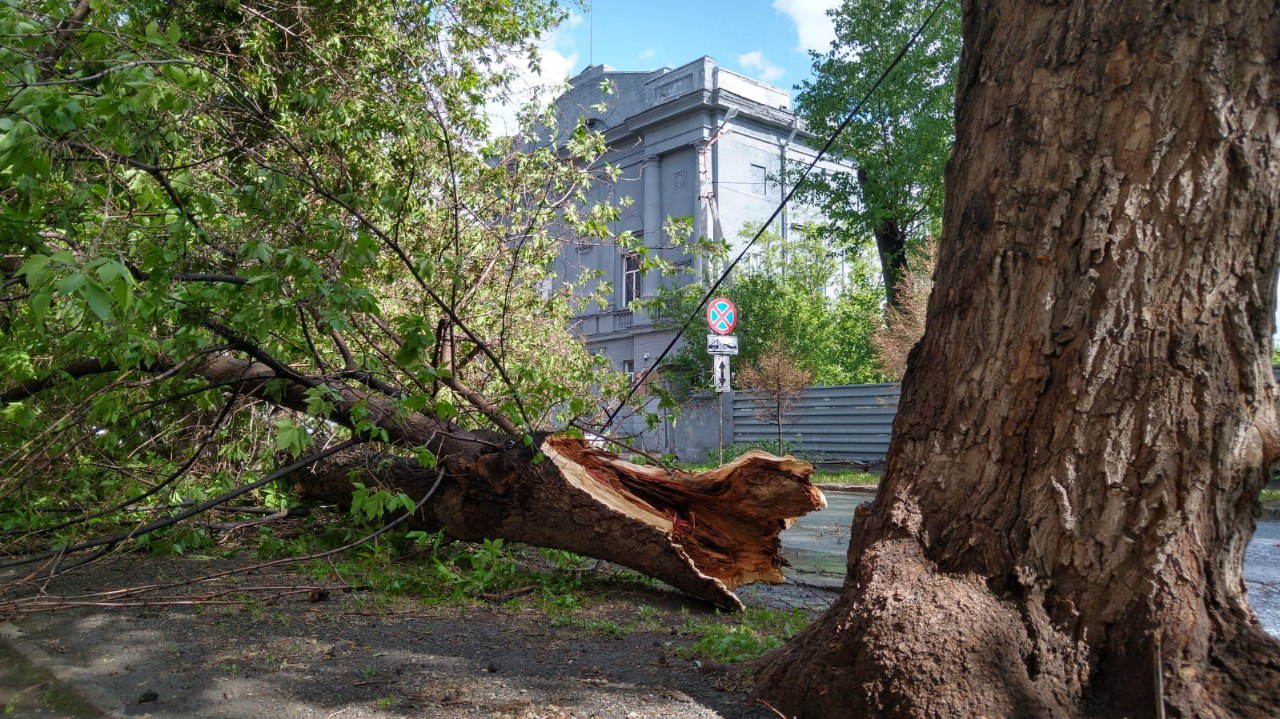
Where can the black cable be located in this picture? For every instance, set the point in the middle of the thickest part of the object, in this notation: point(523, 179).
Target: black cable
point(635, 384)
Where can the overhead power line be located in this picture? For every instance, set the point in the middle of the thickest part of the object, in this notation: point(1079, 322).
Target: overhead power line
point(848, 119)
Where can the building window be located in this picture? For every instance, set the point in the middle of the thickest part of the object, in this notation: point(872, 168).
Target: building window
point(629, 368)
point(759, 179)
point(630, 279)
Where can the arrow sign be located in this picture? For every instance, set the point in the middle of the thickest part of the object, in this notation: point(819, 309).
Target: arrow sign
point(722, 316)
point(720, 372)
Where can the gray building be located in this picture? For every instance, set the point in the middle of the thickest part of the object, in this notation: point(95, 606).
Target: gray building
point(698, 141)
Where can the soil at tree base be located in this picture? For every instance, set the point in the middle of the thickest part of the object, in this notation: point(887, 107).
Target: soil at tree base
point(359, 656)
point(297, 659)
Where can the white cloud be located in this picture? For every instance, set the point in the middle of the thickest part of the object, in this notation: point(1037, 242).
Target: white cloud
point(756, 63)
point(814, 29)
point(647, 54)
point(557, 62)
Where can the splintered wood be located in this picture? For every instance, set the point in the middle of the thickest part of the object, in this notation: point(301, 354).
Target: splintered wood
point(725, 522)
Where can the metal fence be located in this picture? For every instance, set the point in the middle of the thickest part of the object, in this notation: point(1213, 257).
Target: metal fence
point(831, 423)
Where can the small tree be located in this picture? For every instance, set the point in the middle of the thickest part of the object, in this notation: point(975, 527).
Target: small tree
point(778, 380)
point(904, 322)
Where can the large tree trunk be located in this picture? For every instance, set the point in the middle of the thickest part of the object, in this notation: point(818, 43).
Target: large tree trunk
point(891, 244)
point(1088, 420)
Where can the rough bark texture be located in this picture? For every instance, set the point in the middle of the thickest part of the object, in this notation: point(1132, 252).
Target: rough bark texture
point(705, 534)
point(1088, 420)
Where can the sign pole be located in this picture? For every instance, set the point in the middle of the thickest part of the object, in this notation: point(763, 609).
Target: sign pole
point(720, 401)
point(722, 317)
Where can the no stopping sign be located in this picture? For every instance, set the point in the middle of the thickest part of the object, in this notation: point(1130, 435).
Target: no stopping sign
point(722, 316)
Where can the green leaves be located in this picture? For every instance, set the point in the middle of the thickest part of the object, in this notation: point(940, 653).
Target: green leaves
point(827, 308)
point(371, 506)
point(34, 268)
point(182, 170)
point(23, 159)
point(291, 437)
point(97, 299)
point(901, 140)
point(321, 400)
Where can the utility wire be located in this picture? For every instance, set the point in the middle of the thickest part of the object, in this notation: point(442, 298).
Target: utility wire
point(635, 384)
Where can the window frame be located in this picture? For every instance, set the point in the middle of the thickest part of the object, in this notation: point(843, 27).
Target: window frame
point(631, 278)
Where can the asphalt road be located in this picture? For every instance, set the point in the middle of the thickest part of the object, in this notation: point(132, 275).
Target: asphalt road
point(816, 547)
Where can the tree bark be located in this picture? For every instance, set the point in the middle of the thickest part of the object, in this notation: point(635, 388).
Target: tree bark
point(1088, 420)
point(891, 243)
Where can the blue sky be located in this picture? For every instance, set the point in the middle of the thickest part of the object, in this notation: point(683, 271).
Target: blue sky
point(765, 39)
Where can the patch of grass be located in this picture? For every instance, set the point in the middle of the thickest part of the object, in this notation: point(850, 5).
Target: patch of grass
point(443, 572)
point(1269, 495)
point(746, 636)
point(648, 617)
point(737, 449)
point(845, 476)
point(606, 627)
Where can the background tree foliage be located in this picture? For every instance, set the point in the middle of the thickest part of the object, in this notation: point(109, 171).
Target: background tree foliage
point(825, 303)
point(310, 186)
point(901, 139)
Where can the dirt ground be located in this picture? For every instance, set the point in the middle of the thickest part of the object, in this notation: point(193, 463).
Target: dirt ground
point(357, 655)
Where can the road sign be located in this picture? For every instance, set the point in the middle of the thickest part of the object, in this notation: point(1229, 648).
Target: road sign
point(726, 345)
point(722, 316)
point(720, 372)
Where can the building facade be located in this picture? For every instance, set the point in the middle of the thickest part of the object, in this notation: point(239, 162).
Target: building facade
point(698, 142)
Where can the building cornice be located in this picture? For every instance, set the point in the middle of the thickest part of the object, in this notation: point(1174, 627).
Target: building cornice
point(718, 100)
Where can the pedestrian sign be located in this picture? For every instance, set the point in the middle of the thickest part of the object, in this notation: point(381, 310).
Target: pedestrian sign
point(722, 316)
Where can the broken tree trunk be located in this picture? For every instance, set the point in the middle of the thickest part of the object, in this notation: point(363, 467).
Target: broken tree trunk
point(705, 534)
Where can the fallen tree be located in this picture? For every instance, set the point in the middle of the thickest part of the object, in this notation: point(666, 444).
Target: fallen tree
point(269, 230)
point(705, 534)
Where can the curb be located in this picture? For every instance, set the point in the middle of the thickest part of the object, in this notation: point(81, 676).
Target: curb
point(69, 676)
